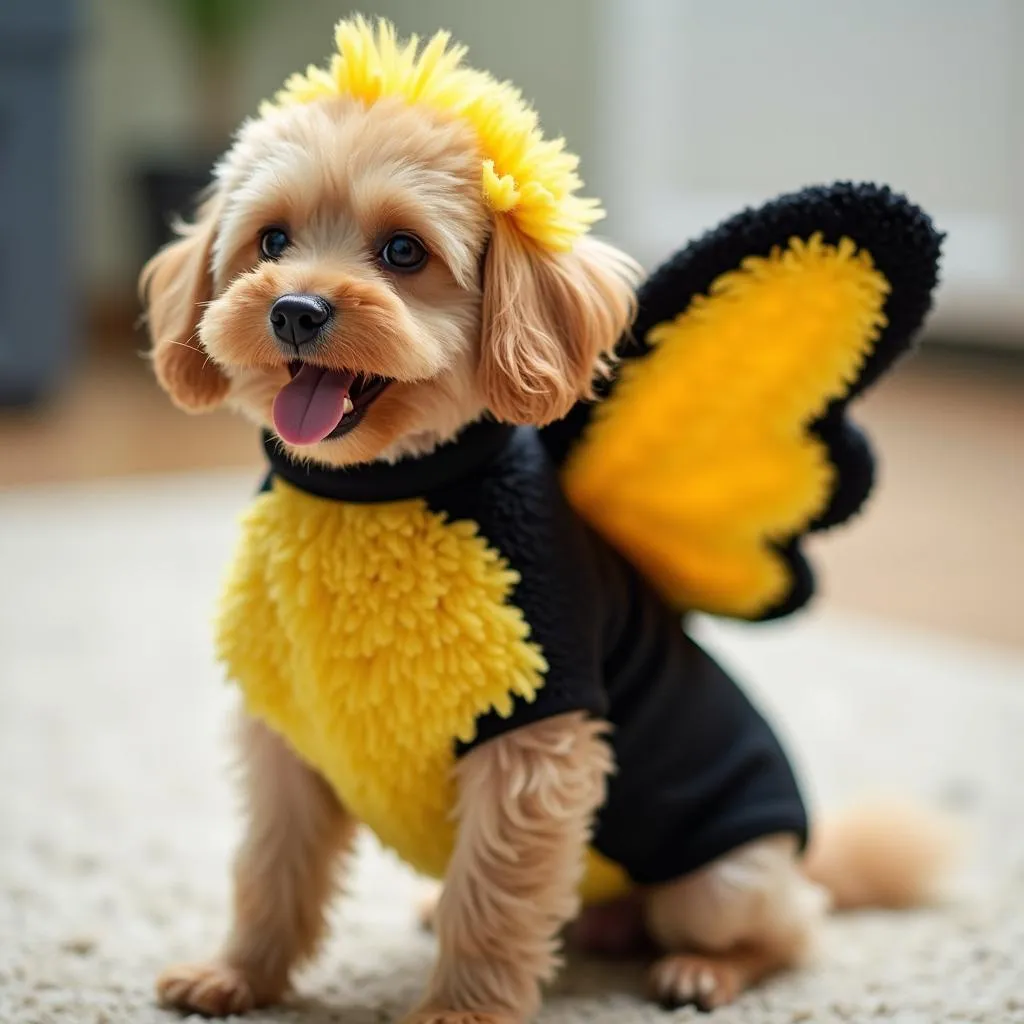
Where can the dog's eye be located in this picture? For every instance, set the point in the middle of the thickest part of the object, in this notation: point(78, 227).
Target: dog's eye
point(403, 252)
point(273, 243)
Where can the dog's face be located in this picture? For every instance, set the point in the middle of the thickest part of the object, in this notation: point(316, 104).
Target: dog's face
point(346, 285)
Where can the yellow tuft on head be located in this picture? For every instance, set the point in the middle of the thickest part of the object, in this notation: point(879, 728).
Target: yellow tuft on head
point(524, 175)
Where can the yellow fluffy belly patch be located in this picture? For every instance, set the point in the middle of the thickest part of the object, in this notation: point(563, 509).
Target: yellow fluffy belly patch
point(372, 637)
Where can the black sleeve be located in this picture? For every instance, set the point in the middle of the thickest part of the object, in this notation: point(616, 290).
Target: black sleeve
point(519, 508)
point(699, 770)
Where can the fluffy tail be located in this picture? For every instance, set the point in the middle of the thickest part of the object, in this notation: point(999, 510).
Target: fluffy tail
point(883, 855)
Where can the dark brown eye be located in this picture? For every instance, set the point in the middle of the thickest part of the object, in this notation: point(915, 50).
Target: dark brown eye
point(273, 243)
point(403, 252)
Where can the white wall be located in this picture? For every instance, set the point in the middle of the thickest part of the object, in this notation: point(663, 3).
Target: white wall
point(714, 105)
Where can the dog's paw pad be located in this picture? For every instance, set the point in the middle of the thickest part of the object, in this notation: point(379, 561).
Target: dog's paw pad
point(212, 989)
point(704, 982)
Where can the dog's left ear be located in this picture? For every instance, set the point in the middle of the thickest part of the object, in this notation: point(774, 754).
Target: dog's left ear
point(174, 286)
point(550, 319)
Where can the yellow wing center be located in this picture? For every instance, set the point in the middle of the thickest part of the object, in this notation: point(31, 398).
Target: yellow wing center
point(701, 456)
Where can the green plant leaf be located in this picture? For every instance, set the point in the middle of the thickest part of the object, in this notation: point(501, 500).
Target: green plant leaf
point(216, 24)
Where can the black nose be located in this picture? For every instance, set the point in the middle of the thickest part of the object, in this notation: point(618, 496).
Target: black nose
point(297, 319)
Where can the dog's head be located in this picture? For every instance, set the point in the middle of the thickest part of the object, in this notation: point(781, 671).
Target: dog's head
point(346, 283)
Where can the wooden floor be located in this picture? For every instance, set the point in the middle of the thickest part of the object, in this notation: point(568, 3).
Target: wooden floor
point(940, 546)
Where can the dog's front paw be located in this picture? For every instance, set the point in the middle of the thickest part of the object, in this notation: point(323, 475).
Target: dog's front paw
point(459, 1017)
point(214, 989)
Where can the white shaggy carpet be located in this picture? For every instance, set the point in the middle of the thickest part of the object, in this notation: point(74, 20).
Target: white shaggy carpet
point(116, 821)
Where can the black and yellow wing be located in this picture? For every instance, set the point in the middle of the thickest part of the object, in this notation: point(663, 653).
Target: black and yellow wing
point(723, 439)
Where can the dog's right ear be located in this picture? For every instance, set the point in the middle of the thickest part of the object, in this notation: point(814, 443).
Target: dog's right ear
point(174, 285)
point(551, 321)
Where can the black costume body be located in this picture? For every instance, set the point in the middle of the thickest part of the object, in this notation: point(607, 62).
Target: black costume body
point(699, 771)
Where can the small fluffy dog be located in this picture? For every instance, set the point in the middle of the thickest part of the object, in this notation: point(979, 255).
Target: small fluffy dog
point(349, 286)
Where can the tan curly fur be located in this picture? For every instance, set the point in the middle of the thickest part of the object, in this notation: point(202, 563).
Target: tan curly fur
point(526, 806)
point(297, 839)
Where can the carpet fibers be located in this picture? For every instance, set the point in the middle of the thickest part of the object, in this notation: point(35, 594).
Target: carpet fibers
point(117, 819)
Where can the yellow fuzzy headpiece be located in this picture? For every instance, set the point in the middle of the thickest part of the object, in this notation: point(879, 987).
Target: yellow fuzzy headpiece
point(524, 175)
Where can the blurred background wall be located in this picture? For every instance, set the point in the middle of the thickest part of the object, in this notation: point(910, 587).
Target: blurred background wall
point(682, 110)
point(730, 102)
point(111, 112)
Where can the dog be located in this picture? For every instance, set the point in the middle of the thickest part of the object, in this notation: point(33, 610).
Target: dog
point(349, 287)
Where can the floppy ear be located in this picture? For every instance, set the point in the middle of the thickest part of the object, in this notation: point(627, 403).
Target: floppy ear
point(174, 284)
point(551, 321)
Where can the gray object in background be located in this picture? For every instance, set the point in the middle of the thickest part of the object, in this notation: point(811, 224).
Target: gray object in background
point(38, 329)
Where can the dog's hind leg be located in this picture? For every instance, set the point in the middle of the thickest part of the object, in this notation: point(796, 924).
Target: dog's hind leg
point(732, 923)
point(284, 875)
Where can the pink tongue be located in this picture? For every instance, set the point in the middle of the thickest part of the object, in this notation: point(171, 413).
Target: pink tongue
point(311, 404)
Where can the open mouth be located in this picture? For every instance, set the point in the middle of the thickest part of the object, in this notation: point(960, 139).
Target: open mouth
point(318, 404)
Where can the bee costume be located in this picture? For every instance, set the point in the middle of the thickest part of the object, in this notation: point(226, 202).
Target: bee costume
point(386, 619)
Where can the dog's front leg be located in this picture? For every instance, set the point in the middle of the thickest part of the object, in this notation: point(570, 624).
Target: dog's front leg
point(296, 833)
point(526, 806)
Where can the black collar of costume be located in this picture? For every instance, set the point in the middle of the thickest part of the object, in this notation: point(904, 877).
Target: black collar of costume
point(477, 445)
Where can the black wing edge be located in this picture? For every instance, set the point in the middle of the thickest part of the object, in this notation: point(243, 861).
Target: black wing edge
point(905, 247)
